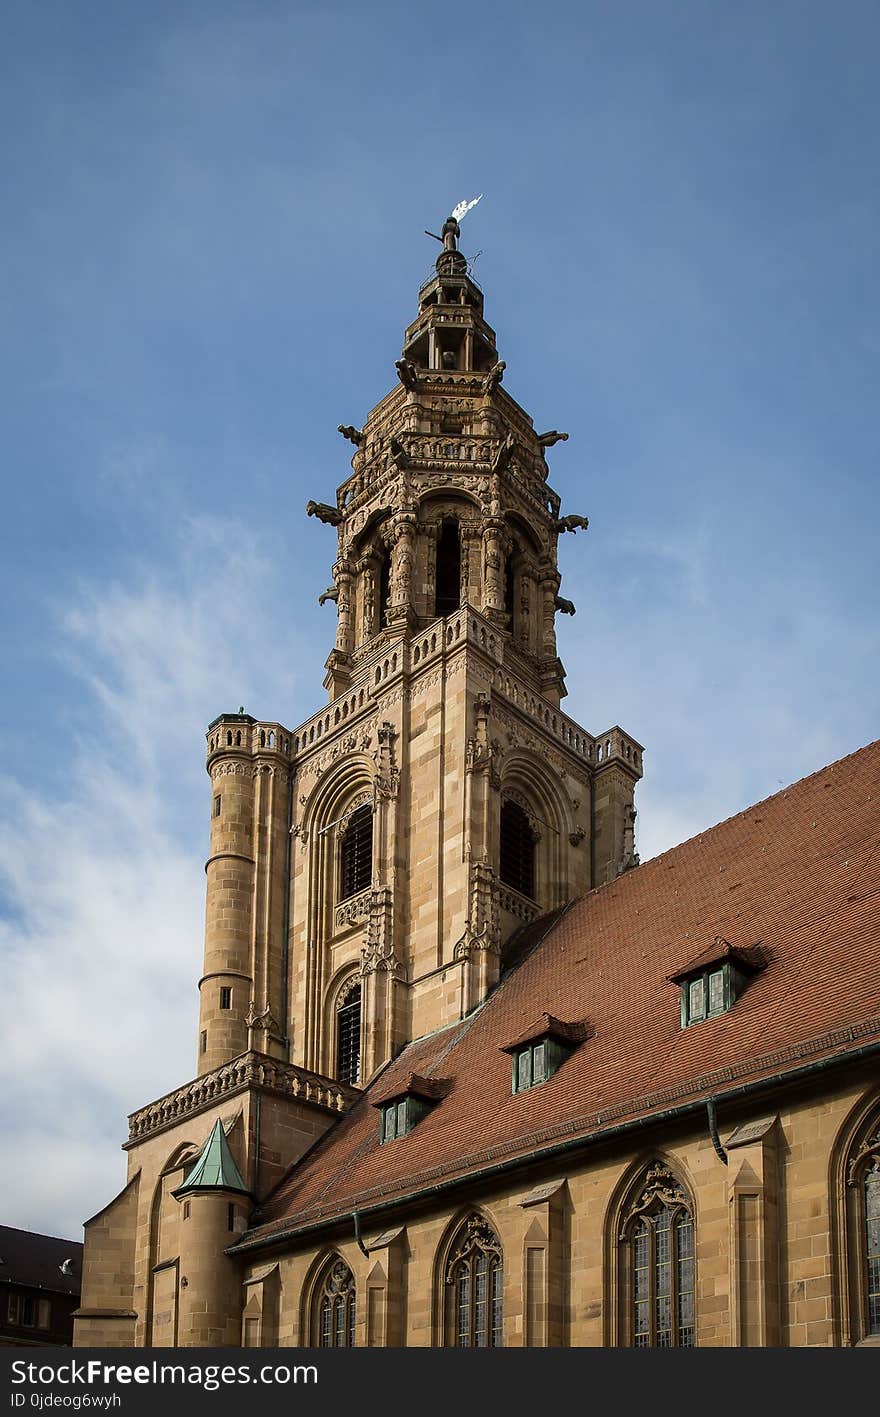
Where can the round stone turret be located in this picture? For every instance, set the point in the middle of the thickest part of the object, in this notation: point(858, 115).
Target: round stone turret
point(242, 997)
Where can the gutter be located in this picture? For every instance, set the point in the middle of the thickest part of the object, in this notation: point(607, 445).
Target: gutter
point(557, 1149)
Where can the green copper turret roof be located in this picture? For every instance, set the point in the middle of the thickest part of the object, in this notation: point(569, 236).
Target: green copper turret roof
point(214, 1168)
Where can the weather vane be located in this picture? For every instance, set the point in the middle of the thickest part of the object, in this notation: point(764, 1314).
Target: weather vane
point(451, 228)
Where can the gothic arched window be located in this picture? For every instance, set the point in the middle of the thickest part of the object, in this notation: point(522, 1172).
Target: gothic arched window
point(517, 855)
point(474, 1284)
point(356, 853)
point(863, 1231)
point(656, 1250)
point(348, 1033)
point(335, 1308)
point(447, 595)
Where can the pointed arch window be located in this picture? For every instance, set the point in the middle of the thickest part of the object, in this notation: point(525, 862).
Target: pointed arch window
point(384, 584)
point(335, 1308)
point(474, 1287)
point(656, 1251)
point(356, 853)
point(863, 1231)
point(447, 596)
point(348, 1033)
point(517, 854)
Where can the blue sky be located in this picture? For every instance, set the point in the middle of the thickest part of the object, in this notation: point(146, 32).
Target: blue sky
point(213, 241)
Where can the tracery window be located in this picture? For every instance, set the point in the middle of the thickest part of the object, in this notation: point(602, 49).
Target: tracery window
point(657, 1264)
point(336, 1308)
point(863, 1188)
point(517, 854)
point(356, 853)
point(348, 1033)
point(474, 1281)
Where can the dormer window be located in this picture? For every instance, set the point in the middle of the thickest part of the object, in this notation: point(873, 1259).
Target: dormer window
point(400, 1117)
point(405, 1102)
point(541, 1051)
point(711, 983)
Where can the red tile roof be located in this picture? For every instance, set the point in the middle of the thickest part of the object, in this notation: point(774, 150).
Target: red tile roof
point(797, 875)
point(748, 958)
point(547, 1026)
point(386, 1088)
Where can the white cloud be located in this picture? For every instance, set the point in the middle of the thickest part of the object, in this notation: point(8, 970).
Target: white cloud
point(103, 888)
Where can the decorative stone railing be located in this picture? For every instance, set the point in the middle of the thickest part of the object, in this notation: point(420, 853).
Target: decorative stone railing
point(518, 905)
point(353, 910)
point(249, 1070)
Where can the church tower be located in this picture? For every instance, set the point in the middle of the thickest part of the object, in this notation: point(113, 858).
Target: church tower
point(368, 869)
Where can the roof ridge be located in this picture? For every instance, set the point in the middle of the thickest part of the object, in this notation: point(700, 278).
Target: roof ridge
point(725, 821)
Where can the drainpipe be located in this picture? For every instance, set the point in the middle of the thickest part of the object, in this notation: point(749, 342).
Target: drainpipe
point(713, 1129)
point(366, 1250)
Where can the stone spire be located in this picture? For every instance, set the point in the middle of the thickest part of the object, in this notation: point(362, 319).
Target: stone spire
point(448, 502)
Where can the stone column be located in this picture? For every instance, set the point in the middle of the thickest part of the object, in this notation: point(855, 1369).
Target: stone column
point(403, 560)
point(344, 607)
point(494, 539)
point(549, 587)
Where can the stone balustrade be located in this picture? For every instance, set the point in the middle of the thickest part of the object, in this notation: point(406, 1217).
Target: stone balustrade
point(249, 1070)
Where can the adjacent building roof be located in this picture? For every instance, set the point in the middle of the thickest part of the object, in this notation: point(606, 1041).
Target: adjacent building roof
point(40, 1261)
point(214, 1168)
point(793, 880)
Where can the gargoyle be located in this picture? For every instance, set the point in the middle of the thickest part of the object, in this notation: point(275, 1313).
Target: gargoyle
point(354, 435)
point(331, 593)
point(331, 516)
point(494, 376)
point(546, 440)
point(406, 373)
point(571, 523)
point(566, 606)
point(398, 452)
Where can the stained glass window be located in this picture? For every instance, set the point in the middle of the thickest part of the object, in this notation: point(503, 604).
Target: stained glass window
point(475, 1280)
point(657, 1249)
point(336, 1308)
point(872, 1245)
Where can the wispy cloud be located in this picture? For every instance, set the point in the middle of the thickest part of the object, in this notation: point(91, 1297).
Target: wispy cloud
point(102, 887)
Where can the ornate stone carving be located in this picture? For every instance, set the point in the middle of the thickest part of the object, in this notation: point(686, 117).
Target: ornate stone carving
point(660, 1187)
point(363, 799)
point(870, 1148)
point(260, 1020)
point(482, 929)
point(387, 779)
point(353, 910)
point(478, 1236)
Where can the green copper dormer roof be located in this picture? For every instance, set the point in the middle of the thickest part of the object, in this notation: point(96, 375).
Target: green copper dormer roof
point(214, 1168)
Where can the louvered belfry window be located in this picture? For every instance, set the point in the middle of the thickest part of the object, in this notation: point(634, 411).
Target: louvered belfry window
point(357, 853)
point(348, 1037)
point(517, 861)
